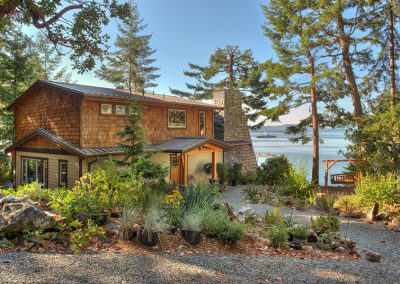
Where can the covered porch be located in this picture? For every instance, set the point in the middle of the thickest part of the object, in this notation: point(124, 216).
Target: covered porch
point(188, 155)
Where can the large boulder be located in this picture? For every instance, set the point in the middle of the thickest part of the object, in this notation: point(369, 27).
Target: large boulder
point(19, 214)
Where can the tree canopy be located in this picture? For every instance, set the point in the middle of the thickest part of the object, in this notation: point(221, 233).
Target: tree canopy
point(75, 27)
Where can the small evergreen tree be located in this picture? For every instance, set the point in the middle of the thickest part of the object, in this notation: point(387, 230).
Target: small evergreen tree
point(134, 143)
point(131, 66)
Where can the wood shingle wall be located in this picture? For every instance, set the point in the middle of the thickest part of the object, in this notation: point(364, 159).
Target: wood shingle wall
point(49, 108)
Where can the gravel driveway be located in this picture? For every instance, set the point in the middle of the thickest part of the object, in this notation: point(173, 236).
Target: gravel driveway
point(162, 268)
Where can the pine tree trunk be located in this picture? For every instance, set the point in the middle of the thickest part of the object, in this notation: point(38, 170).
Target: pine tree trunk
point(314, 119)
point(392, 54)
point(348, 67)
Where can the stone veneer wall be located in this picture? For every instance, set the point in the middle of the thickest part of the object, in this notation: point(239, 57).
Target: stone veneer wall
point(236, 129)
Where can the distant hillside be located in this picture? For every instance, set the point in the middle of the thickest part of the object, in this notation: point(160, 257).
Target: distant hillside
point(274, 128)
point(282, 129)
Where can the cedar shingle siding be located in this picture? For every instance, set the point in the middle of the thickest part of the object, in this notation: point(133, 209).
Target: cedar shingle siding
point(50, 108)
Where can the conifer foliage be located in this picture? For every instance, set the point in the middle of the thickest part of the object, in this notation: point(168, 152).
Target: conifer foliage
point(130, 66)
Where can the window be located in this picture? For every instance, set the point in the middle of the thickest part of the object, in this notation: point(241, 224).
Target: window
point(106, 108)
point(176, 118)
point(34, 169)
point(120, 109)
point(63, 173)
point(202, 123)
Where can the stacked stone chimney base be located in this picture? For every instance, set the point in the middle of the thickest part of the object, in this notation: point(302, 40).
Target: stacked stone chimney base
point(236, 131)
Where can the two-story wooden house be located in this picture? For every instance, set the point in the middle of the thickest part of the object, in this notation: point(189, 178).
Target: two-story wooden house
point(64, 130)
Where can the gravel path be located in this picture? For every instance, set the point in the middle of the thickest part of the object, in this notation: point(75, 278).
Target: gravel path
point(161, 268)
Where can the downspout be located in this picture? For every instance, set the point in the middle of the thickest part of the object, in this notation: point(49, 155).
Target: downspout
point(90, 164)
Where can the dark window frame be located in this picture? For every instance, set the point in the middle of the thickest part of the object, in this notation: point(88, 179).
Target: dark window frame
point(59, 173)
point(176, 127)
point(46, 172)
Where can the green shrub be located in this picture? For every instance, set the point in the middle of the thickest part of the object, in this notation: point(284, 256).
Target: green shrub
point(252, 193)
point(273, 171)
point(233, 232)
point(249, 177)
point(201, 196)
point(326, 202)
point(32, 190)
point(213, 221)
point(274, 218)
point(325, 240)
point(191, 221)
point(278, 236)
point(96, 193)
point(235, 174)
point(223, 173)
point(296, 184)
point(83, 236)
point(216, 224)
point(382, 189)
point(325, 224)
point(349, 203)
point(300, 230)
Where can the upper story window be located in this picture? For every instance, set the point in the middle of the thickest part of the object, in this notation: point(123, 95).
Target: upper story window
point(176, 118)
point(120, 109)
point(202, 123)
point(106, 108)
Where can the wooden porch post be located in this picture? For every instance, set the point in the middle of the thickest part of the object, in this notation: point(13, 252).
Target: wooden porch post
point(214, 163)
point(326, 175)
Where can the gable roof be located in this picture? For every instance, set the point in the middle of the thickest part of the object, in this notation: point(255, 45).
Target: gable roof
point(101, 92)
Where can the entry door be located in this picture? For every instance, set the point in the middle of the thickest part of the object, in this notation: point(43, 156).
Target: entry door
point(175, 169)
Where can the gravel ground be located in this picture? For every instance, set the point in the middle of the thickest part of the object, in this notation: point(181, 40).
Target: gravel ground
point(162, 268)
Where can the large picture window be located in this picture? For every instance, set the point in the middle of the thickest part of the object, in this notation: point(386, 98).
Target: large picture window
point(176, 118)
point(34, 169)
point(202, 123)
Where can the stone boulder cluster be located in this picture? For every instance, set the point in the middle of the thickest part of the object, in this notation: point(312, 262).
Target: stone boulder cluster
point(20, 214)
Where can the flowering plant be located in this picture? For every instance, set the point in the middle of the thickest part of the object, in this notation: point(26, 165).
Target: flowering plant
point(173, 206)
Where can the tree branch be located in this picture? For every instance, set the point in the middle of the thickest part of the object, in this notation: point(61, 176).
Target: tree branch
point(46, 24)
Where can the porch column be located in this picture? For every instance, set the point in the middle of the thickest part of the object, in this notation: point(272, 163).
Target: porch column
point(326, 175)
point(214, 163)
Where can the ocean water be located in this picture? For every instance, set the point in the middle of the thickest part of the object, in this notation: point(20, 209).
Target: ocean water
point(334, 141)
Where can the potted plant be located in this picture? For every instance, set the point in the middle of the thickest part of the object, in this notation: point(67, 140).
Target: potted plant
point(191, 228)
point(152, 226)
point(300, 233)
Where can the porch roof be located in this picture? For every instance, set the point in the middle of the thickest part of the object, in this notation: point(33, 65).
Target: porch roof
point(184, 144)
point(176, 145)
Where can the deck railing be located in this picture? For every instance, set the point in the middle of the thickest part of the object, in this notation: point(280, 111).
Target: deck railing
point(343, 178)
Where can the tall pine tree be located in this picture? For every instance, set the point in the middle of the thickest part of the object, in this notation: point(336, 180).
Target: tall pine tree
point(233, 69)
point(131, 66)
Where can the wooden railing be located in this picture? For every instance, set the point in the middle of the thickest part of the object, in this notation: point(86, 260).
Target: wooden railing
point(343, 178)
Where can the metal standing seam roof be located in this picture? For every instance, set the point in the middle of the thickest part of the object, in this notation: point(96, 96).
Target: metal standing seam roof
point(115, 93)
point(183, 144)
point(176, 145)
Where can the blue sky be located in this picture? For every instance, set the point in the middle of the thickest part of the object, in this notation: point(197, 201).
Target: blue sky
point(190, 31)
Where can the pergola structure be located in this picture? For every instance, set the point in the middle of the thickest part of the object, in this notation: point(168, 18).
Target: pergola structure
point(341, 178)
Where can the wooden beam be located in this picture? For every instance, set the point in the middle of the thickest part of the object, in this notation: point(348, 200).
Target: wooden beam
point(214, 162)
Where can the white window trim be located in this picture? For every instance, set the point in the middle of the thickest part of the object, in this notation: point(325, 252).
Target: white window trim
point(106, 113)
point(116, 109)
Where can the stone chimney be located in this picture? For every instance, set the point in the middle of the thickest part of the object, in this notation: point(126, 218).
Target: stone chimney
point(235, 129)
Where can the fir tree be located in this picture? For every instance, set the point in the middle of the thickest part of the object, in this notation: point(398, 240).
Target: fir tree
point(131, 66)
point(228, 68)
point(49, 61)
point(133, 146)
point(294, 30)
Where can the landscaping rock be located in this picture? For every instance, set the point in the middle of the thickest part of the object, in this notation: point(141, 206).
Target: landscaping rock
point(374, 211)
point(349, 214)
point(18, 214)
point(312, 238)
point(396, 224)
point(369, 255)
point(383, 216)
